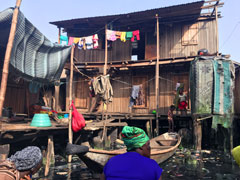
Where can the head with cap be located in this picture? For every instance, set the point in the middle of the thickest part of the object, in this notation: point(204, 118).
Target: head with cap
point(136, 140)
point(28, 159)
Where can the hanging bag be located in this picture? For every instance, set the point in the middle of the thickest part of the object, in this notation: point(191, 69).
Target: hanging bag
point(78, 121)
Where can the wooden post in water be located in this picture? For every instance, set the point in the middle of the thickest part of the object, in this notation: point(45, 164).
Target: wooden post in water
point(197, 124)
point(70, 133)
point(157, 78)
point(8, 55)
point(50, 155)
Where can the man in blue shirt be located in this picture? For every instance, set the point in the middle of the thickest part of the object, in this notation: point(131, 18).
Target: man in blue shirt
point(135, 164)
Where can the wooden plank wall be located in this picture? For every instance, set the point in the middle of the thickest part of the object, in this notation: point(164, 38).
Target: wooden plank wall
point(122, 85)
point(119, 51)
point(167, 85)
point(19, 98)
point(171, 41)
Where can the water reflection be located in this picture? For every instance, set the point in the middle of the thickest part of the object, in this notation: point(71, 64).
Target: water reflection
point(185, 164)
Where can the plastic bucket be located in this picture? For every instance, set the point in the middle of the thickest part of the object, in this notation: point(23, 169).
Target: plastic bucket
point(41, 120)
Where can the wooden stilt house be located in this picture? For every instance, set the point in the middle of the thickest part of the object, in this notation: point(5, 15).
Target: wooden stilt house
point(157, 60)
point(183, 30)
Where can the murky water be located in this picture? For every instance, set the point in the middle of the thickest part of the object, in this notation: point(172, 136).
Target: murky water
point(185, 164)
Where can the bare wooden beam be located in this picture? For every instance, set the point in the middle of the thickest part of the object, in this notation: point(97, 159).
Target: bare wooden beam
point(141, 64)
point(211, 6)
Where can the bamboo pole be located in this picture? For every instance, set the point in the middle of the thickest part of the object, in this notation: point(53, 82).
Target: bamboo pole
point(217, 41)
point(8, 55)
point(157, 78)
point(70, 133)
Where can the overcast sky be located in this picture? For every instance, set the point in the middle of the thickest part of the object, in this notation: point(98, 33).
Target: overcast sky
point(41, 12)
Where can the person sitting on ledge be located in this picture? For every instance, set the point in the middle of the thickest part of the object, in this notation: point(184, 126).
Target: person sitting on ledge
point(22, 165)
point(136, 162)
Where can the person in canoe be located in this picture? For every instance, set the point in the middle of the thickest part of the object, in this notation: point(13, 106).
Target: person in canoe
point(22, 165)
point(136, 162)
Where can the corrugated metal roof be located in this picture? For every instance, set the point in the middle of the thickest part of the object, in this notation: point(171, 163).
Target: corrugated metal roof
point(178, 13)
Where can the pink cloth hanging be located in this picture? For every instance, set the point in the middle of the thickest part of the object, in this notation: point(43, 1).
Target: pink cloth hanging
point(70, 41)
point(137, 34)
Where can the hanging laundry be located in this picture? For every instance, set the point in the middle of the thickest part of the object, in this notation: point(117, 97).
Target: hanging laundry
point(95, 41)
point(123, 36)
point(76, 40)
point(137, 34)
point(103, 88)
point(89, 42)
point(118, 34)
point(134, 95)
point(70, 41)
point(129, 35)
point(111, 35)
point(63, 38)
point(81, 44)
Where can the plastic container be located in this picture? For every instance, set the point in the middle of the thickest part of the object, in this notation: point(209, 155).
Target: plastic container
point(41, 120)
point(66, 115)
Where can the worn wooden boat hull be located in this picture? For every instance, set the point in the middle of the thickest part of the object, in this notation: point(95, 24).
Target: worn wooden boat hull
point(96, 159)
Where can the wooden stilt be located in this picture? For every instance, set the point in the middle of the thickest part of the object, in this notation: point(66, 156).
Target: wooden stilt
point(151, 126)
point(8, 55)
point(104, 114)
point(197, 133)
point(50, 155)
point(70, 133)
point(157, 79)
point(4, 151)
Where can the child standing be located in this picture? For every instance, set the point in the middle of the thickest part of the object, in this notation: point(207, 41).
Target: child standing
point(170, 118)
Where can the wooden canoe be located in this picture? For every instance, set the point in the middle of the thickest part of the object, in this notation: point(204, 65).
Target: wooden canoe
point(162, 148)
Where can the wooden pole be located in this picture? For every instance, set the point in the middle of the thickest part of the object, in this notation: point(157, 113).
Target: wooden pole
point(70, 133)
point(8, 55)
point(104, 108)
point(57, 88)
point(217, 38)
point(106, 52)
point(157, 78)
point(50, 155)
point(59, 34)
